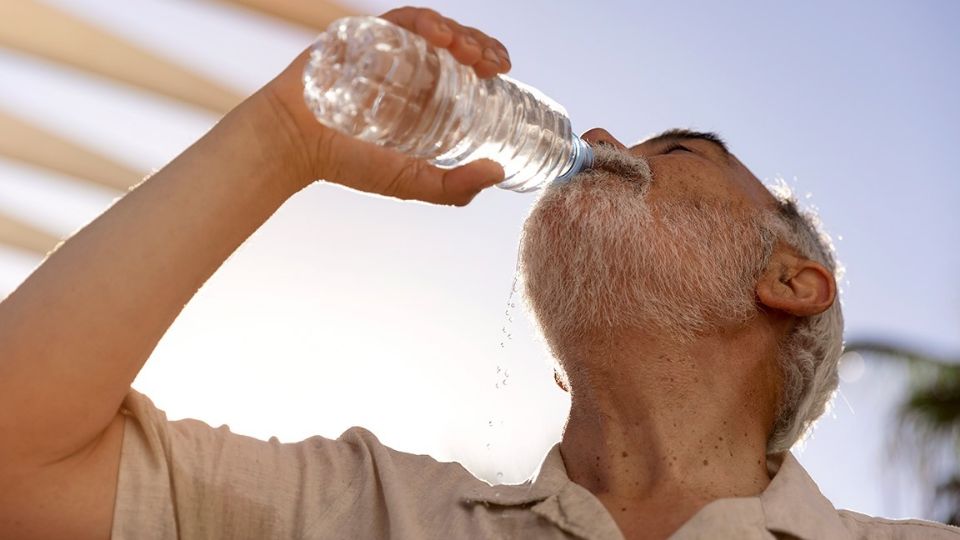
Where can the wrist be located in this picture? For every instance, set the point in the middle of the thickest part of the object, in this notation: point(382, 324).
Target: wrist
point(295, 132)
point(279, 149)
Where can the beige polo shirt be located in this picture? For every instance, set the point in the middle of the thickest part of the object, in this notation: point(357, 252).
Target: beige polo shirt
point(187, 480)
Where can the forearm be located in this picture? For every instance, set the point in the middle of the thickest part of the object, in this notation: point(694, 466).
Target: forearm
point(75, 334)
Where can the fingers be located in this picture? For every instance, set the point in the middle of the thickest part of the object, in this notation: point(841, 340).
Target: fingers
point(468, 46)
point(367, 167)
point(466, 49)
point(426, 22)
point(474, 48)
point(457, 187)
point(462, 184)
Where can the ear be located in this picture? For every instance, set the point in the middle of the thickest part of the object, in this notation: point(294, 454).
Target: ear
point(796, 285)
point(559, 380)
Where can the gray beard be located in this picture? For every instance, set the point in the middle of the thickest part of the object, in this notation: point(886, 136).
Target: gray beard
point(597, 258)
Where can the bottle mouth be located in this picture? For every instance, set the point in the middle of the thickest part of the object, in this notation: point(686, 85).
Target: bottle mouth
point(582, 160)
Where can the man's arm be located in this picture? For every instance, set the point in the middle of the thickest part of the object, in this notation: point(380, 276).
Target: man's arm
point(75, 334)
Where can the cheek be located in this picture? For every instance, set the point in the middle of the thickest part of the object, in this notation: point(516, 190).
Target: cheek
point(684, 180)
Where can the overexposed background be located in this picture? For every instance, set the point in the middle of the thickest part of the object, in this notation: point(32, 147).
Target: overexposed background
point(346, 309)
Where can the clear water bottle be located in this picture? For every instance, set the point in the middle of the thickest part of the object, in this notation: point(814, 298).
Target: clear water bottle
point(376, 81)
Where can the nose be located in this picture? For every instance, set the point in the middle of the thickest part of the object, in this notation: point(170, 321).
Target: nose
point(597, 136)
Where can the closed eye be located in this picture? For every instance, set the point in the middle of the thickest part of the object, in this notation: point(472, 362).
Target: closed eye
point(676, 148)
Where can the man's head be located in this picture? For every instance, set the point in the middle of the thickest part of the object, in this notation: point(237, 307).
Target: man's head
point(674, 239)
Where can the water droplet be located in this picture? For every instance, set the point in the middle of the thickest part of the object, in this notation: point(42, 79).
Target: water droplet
point(490, 423)
point(503, 382)
point(506, 373)
point(497, 386)
point(499, 476)
point(511, 303)
point(488, 446)
point(498, 369)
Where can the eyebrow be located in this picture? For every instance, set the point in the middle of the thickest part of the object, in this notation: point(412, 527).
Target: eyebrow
point(680, 134)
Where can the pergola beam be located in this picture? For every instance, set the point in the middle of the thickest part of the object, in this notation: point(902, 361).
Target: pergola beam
point(25, 142)
point(313, 14)
point(43, 30)
point(27, 237)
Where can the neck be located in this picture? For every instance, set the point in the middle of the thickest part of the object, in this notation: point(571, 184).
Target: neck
point(664, 429)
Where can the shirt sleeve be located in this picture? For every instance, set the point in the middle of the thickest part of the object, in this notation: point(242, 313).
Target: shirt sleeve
point(185, 479)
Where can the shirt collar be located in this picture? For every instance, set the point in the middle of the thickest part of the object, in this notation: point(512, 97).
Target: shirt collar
point(548, 480)
point(550, 494)
point(791, 504)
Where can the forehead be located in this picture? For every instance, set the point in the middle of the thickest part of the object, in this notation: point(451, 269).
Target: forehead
point(716, 157)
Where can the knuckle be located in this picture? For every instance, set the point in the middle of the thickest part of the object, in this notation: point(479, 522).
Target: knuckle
point(323, 153)
point(500, 48)
point(427, 13)
point(477, 34)
point(405, 176)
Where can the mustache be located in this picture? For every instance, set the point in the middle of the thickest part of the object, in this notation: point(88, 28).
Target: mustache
point(620, 163)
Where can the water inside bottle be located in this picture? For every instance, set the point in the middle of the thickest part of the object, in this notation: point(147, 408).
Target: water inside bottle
point(376, 81)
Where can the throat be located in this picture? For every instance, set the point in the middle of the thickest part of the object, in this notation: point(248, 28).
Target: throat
point(655, 459)
point(652, 496)
point(653, 518)
point(658, 430)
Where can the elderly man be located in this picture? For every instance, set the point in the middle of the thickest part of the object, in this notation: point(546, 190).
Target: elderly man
point(693, 317)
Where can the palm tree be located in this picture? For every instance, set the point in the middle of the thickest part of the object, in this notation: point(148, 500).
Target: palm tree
point(928, 425)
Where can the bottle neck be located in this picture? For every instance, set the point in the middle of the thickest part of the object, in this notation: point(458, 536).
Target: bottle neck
point(582, 159)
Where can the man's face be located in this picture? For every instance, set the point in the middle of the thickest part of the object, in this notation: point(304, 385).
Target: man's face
point(667, 237)
point(695, 168)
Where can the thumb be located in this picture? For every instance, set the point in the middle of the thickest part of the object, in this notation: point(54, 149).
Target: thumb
point(462, 184)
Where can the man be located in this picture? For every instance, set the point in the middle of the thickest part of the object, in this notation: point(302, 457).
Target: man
point(692, 314)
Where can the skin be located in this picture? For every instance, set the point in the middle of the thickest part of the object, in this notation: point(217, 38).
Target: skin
point(75, 334)
point(658, 430)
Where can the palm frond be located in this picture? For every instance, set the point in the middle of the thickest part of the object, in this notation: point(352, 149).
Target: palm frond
point(928, 420)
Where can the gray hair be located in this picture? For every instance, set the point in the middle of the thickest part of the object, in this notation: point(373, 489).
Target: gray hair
point(810, 354)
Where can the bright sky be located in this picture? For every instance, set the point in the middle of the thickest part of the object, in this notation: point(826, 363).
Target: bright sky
point(347, 309)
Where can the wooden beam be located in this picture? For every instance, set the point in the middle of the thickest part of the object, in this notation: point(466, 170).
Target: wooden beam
point(314, 14)
point(18, 234)
point(43, 30)
point(24, 142)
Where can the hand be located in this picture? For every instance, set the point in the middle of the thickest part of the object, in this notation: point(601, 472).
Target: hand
point(321, 152)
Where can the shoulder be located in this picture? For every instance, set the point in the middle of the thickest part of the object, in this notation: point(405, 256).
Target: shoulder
point(188, 478)
point(864, 526)
point(413, 469)
point(194, 447)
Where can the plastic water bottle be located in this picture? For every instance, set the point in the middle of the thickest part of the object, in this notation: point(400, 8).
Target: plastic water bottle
point(376, 81)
